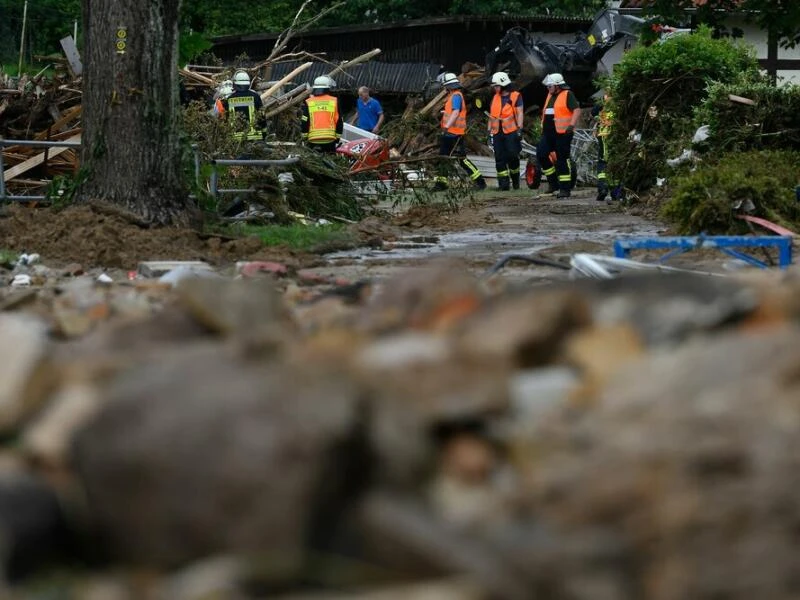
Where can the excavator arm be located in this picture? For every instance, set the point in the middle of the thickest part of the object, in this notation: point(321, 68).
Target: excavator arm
point(529, 58)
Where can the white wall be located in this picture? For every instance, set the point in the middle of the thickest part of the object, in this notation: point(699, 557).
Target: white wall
point(758, 38)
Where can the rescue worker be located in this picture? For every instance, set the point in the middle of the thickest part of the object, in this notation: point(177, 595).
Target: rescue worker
point(605, 118)
point(454, 126)
point(505, 131)
point(243, 107)
point(559, 117)
point(321, 124)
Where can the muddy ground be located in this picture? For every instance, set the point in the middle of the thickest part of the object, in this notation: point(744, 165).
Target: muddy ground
point(490, 226)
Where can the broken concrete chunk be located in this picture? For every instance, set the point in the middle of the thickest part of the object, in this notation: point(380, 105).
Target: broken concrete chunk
point(23, 347)
point(222, 458)
point(252, 309)
point(157, 268)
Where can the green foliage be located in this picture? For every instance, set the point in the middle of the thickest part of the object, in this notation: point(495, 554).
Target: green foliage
point(47, 22)
point(191, 45)
point(297, 236)
point(63, 188)
point(8, 258)
point(705, 199)
point(772, 122)
point(655, 90)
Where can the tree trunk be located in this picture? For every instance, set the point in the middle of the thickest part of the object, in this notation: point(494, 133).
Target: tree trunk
point(131, 148)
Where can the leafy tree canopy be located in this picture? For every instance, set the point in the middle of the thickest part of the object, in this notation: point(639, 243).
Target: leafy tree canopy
point(50, 20)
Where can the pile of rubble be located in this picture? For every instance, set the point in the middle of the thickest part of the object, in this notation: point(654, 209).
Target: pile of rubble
point(49, 109)
point(272, 434)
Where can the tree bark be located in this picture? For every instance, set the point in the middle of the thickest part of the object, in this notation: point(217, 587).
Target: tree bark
point(131, 147)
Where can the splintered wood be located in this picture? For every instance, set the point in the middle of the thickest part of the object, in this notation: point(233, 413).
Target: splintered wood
point(35, 108)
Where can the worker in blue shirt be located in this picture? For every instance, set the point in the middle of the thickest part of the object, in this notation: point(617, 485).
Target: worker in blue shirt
point(370, 111)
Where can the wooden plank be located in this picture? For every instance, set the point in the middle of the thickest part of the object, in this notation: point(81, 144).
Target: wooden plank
point(741, 100)
point(29, 164)
point(433, 103)
point(73, 56)
point(68, 115)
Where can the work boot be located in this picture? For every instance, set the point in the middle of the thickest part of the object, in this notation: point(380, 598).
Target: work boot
point(602, 190)
point(552, 183)
point(502, 184)
point(480, 183)
point(515, 181)
point(439, 186)
point(563, 193)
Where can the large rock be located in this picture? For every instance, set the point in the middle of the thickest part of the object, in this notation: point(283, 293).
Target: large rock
point(667, 309)
point(32, 527)
point(690, 461)
point(25, 376)
point(196, 454)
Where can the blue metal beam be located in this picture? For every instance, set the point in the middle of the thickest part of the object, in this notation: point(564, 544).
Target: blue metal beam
point(681, 244)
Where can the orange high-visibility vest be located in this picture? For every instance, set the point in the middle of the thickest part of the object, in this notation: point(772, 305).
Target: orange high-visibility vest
point(460, 125)
point(323, 114)
point(562, 115)
point(503, 115)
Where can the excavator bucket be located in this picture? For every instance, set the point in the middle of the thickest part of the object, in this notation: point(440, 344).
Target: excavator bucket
point(528, 58)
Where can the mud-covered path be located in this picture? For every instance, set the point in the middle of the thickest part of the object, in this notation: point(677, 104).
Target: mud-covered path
point(498, 224)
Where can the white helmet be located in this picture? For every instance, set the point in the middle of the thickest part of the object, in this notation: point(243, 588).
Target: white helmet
point(501, 79)
point(554, 79)
point(225, 88)
point(323, 82)
point(241, 78)
point(449, 80)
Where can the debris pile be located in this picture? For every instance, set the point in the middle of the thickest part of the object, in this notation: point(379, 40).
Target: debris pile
point(272, 432)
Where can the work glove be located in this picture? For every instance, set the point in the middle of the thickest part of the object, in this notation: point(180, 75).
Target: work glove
point(570, 129)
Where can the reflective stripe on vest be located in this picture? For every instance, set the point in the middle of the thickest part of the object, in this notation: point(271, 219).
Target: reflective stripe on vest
point(323, 114)
point(606, 117)
point(562, 115)
point(249, 103)
point(504, 115)
point(460, 126)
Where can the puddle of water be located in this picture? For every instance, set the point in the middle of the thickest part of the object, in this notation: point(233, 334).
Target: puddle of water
point(479, 243)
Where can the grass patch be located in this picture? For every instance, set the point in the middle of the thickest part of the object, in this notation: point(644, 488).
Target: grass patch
point(312, 238)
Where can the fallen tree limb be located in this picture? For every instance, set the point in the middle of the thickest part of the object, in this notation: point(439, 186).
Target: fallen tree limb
point(339, 69)
point(285, 79)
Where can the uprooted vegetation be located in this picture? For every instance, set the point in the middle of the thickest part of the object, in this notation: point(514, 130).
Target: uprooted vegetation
point(759, 182)
point(662, 94)
point(655, 91)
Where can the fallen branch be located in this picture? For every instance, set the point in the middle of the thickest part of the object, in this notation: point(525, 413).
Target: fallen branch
point(342, 67)
point(285, 79)
point(286, 35)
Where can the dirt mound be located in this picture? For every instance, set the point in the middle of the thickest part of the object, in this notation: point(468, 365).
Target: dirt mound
point(88, 236)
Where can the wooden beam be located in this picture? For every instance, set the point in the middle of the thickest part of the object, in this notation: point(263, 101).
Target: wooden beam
point(277, 85)
point(29, 164)
point(67, 116)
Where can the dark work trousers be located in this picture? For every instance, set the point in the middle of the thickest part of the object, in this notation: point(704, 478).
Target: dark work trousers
point(325, 148)
point(507, 147)
point(602, 164)
point(452, 145)
point(559, 176)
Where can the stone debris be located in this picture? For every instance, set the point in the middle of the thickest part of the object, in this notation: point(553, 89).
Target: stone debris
point(264, 432)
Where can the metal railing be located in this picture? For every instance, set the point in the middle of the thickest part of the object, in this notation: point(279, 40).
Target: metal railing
point(34, 144)
point(57, 144)
point(242, 162)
